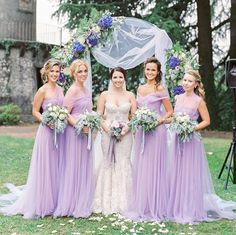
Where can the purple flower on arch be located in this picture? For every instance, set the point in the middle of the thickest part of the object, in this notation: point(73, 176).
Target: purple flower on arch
point(92, 39)
point(78, 48)
point(178, 90)
point(173, 62)
point(62, 78)
point(105, 22)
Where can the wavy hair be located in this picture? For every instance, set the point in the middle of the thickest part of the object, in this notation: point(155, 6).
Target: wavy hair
point(74, 67)
point(47, 67)
point(199, 89)
point(158, 63)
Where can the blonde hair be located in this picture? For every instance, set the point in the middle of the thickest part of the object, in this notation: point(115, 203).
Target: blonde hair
point(199, 89)
point(47, 67)
point(74, 67)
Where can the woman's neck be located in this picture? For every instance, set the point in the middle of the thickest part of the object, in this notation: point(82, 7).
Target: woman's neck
point(52, 84)
point(189, 93)
point(79, 84)
point(151, 82)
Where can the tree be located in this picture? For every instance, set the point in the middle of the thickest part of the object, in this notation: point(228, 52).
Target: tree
point(232, 51)
point(205, 56)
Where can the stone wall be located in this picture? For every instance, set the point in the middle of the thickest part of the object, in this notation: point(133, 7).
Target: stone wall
point(19, 74)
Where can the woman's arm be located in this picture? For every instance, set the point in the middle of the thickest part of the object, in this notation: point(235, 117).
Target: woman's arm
point(101, 109)
point(169, 110)
point(203, 111)
point(133, 103)
point(37, 102)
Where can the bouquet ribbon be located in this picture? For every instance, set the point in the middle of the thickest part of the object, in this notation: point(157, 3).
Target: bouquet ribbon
point(143, 140)
point(55, 138)
point(89, 139)
point(111, 150)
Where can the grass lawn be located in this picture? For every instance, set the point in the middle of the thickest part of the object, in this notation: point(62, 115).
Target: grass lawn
point(15, 156)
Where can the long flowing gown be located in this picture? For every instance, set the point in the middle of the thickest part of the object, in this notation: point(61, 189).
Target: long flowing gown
point(39, 196)
point(192, 198)
point(76, 185)
point(149, 168)
point(114, 178)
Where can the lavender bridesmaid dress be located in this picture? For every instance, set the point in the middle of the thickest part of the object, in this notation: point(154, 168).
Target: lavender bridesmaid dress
point(149, 170)
point(39, 197)
point(192, 198)
point(76, 186)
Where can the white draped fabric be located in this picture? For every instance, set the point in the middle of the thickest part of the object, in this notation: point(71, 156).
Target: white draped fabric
point(132, 43)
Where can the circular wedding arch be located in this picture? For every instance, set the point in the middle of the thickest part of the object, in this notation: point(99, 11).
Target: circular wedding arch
point(133, 41)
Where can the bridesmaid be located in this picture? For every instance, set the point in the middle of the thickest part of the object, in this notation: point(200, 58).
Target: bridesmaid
point(76, 186)
point(192, 198)
point(149, 172)
point(39, 198)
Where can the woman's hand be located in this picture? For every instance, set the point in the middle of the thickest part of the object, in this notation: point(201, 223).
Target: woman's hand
point(125, 130)
point(168, 120)
point(71, 119)
point(50, 125)
point(105, 126)
point(85, 130)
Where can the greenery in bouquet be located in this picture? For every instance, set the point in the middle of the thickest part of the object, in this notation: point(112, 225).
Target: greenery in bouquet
point(90, 119)
point(178, 61)
point(144, 118)
point(183, 126)
point(56, 116)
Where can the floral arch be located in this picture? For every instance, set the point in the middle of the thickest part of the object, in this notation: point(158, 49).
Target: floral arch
point(126, 42)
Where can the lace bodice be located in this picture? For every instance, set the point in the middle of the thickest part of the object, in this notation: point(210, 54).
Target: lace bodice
point(114, 112)
point(188, 105)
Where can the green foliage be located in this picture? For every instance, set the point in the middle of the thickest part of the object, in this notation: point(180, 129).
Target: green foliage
point(10, 114)
point(166, 17)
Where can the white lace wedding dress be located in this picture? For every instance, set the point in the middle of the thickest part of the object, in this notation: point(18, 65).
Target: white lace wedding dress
point(114, 179)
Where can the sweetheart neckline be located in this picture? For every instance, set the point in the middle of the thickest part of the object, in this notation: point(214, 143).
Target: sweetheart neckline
point(118, 106)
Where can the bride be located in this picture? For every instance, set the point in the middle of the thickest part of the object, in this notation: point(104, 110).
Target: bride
point(114, 175)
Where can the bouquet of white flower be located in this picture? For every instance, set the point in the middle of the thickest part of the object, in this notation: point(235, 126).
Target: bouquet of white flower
point(144, 118)
point(55, 116)
point(183, 126)
point(90, 119)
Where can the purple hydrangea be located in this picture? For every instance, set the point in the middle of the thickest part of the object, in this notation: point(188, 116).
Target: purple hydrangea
point(78, 48)
point(178, 90)
point(105, 22)
point(92, 39)
point(173, 62)
point(62, 78)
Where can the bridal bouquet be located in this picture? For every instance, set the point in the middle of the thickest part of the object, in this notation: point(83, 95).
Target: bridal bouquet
point(90, 119)
point(144, 118)
point(55, 115)
point(116, 129)
point(183, 126)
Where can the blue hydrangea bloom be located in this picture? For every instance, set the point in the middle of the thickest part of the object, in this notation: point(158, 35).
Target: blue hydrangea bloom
point(178, 90)
point(173, 62)
point(105, 22)
point(62, 78)
point(92, 39)
point(78, 48)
